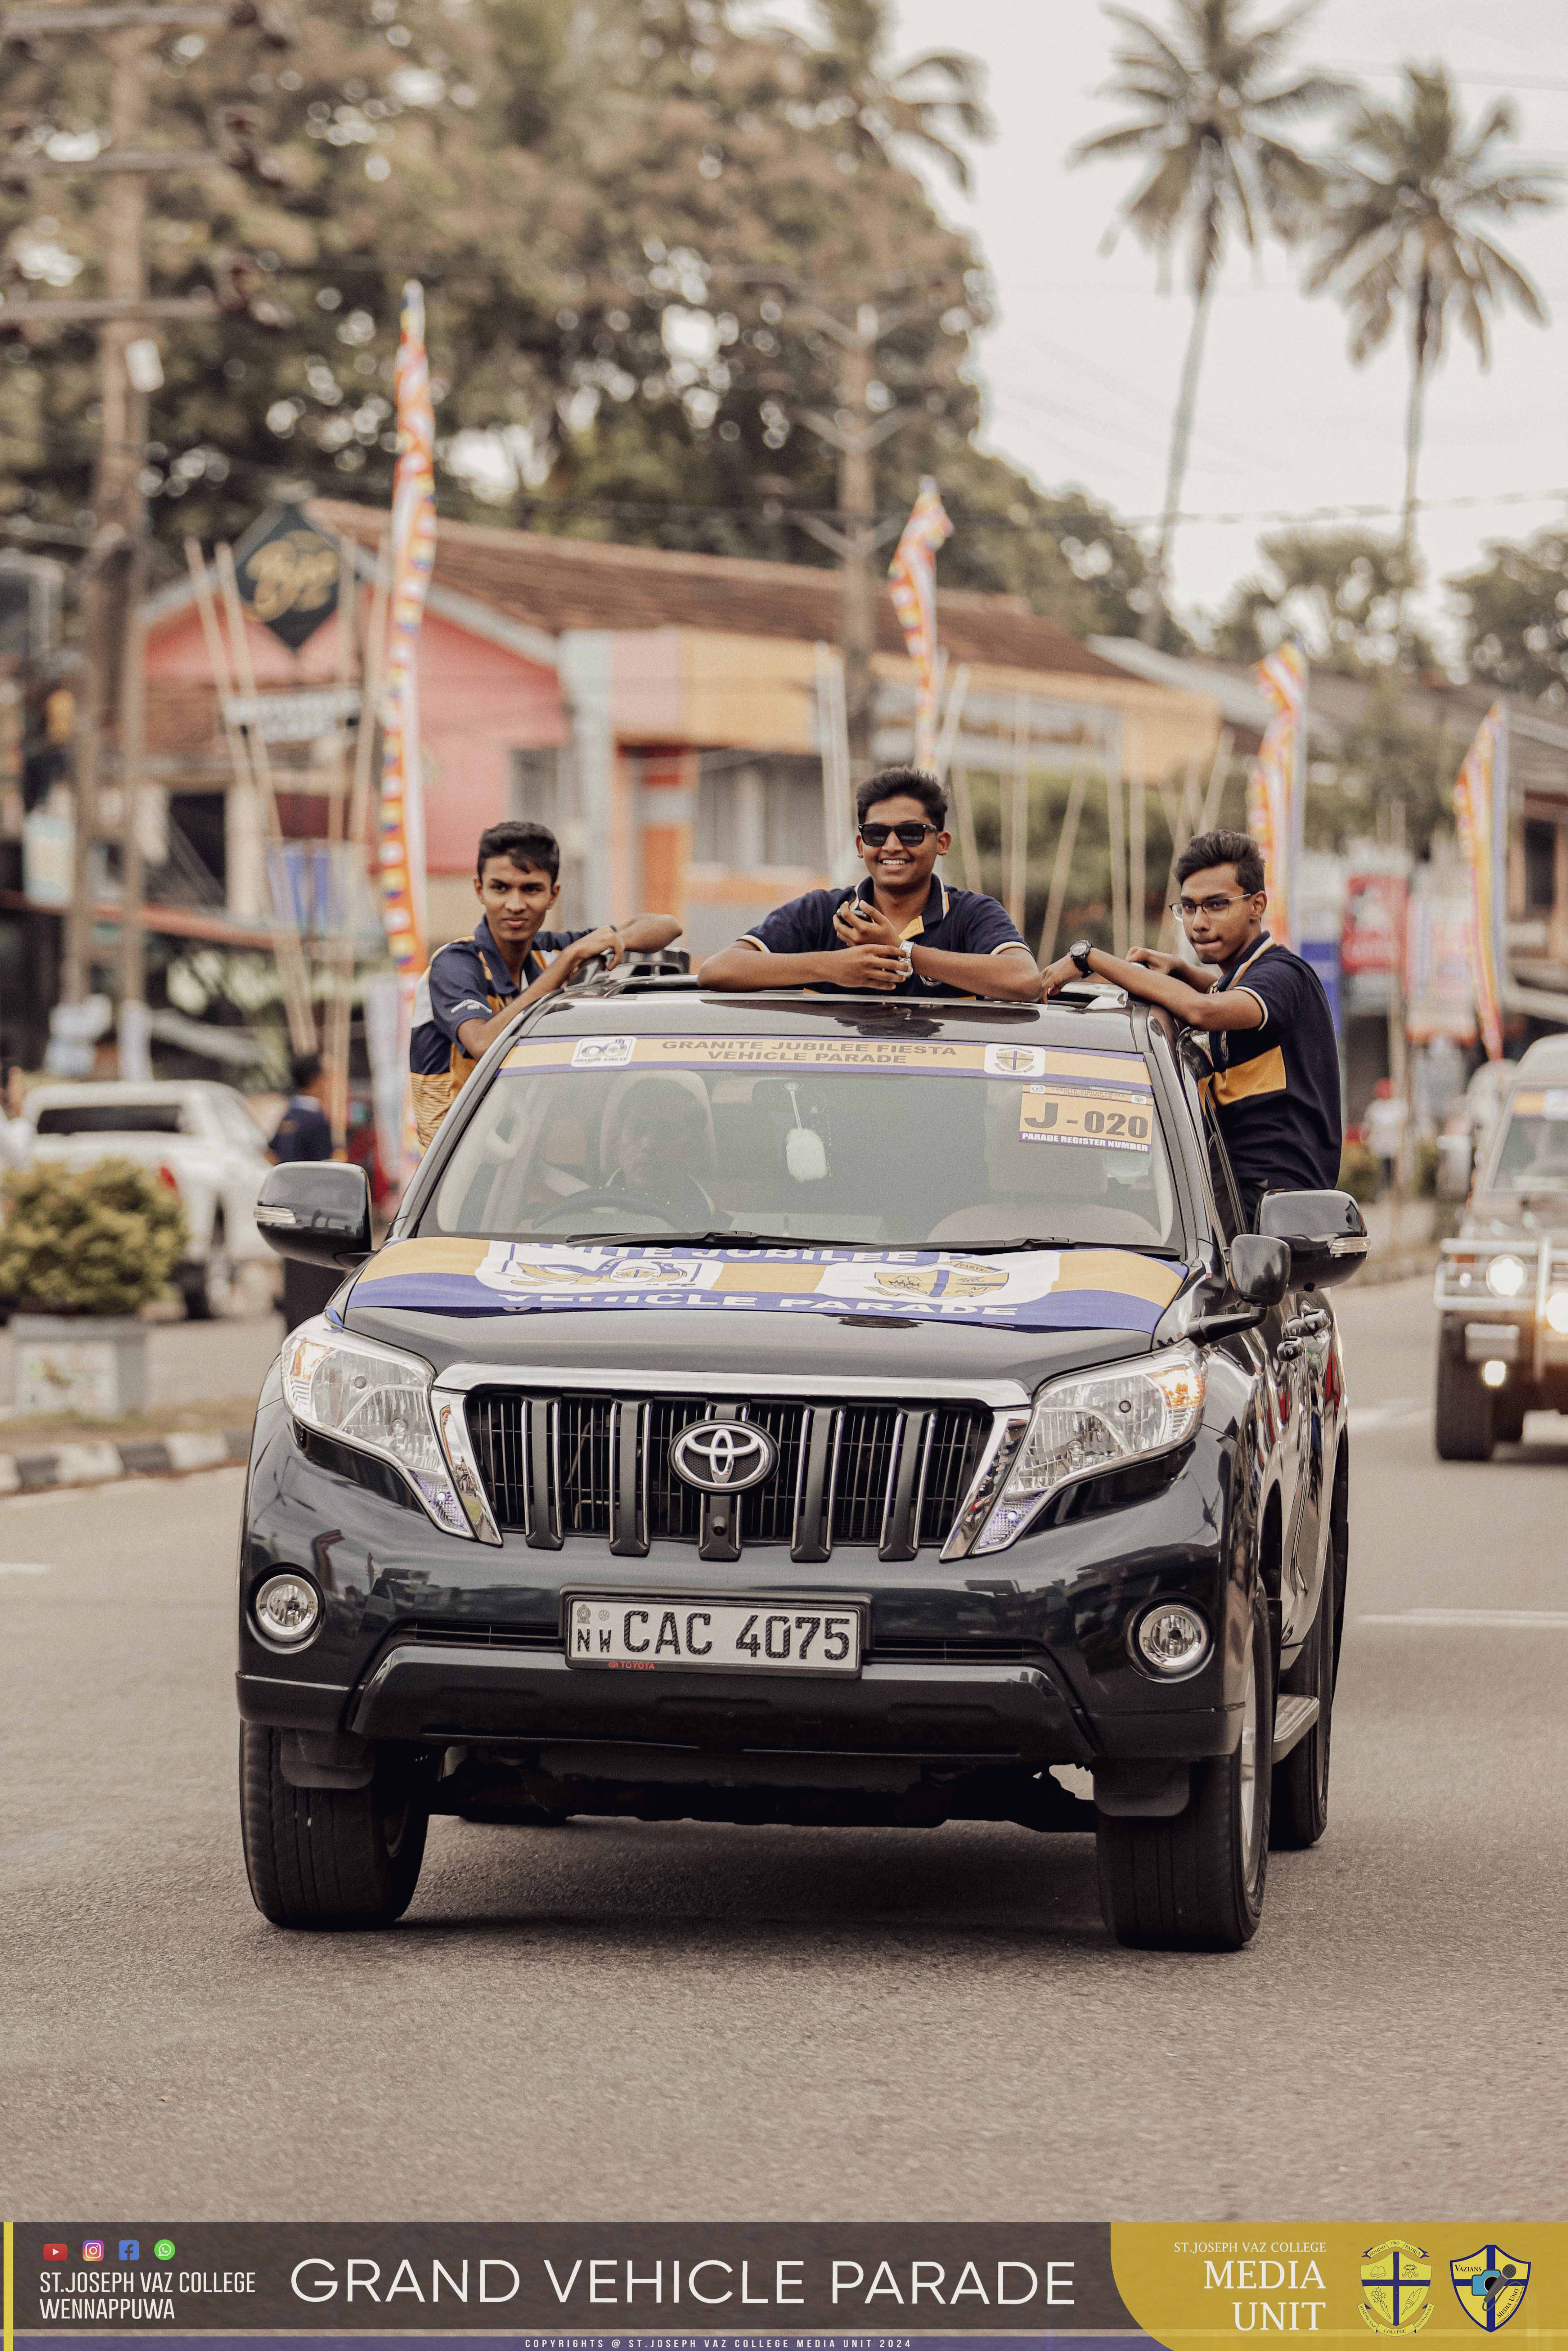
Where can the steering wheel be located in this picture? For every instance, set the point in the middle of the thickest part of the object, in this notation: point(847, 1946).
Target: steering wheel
point(638, 1202)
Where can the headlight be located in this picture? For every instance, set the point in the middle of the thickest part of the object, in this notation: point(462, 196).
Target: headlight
point(377, 1400)
point(1557, 1312)
point(1093, 1422)
point(1505, 1276)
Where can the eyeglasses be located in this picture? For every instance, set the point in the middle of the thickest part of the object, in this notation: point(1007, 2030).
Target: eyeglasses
point(1187, 910)
point(877, 836)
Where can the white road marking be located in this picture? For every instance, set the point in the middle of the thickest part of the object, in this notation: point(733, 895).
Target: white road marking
point(1465, 1620)
point(26, 1566)
point(1365, 1418)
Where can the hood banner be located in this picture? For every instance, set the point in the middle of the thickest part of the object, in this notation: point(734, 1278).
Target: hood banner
point(1038, 1290)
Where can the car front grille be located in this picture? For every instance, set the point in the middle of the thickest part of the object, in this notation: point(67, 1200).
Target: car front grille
point(887, 1475)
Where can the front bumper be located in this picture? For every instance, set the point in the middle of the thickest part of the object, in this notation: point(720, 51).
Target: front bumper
point(1017, 1661)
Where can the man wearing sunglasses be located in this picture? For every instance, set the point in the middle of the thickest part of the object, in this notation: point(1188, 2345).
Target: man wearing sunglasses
point(1275, 1087)
point(903, 932)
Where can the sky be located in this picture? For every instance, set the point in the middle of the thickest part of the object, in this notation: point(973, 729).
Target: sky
point(1080, 370)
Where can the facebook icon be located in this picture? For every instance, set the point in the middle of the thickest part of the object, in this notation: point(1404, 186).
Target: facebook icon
point(131, 2248)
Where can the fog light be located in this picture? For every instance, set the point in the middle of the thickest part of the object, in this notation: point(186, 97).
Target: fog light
point(1557, 1312)
point(288, 1608)
point(1171, 1639)
point(1494, 1374)
point(1505, 1276)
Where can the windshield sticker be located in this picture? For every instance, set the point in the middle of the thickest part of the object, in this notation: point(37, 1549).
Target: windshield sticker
point(601, 1052)
point(1552, 1103)
point(899, 1056)
point(1038, 1290)
point(1100, 1121)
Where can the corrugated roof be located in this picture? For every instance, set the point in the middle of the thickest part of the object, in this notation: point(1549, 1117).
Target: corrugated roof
point(551, 583)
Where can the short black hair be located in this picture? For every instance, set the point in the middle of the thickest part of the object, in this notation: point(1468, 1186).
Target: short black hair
point(903, 783)
point(525, 843)
point(303, 1069)
point(1238, 849)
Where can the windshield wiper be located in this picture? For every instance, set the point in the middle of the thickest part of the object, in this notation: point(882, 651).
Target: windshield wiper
point(1000, 1248)
point(658, 1241)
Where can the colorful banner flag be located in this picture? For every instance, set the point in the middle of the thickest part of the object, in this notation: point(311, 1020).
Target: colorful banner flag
point(412, 556)
point(1480, 820)
point(1275, 790)
point(913, 575)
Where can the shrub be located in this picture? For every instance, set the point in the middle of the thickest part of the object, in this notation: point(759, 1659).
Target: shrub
point(101, 1239)
point(1360, 1173)
point(1423, 1174)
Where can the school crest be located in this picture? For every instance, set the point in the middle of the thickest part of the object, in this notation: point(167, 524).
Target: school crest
point(1396, 2288)
point(1491, 2284)
point(965, 1278)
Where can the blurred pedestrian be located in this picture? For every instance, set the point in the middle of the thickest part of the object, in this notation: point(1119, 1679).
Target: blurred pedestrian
point(16, 1132)
point(1386, 1117)
point(305, 1131)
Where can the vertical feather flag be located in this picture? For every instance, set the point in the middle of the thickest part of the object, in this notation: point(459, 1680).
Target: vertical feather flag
point(412, 556)
point(1480, 820)
point(1275, 790)
point(912, 574)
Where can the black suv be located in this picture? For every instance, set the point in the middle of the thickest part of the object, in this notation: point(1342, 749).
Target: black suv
point(804, 1408)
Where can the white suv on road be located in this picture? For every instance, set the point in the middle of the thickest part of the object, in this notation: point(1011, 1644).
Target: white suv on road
point(199, 1136)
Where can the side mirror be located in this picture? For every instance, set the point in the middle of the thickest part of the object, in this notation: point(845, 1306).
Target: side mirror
point(318, 1211)
point(1260, 1268)
point(1326, 1230)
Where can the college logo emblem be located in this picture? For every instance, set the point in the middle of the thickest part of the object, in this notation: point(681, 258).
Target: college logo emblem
point(1015, 1060)
point(1396, 2288)
point(1491, 2285)
point(964, 1279)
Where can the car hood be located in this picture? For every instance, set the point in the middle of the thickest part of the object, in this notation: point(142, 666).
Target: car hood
point(951, 1315)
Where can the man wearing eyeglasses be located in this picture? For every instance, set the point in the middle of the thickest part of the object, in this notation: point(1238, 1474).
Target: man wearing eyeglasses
point(1275, 1087)
point(902, 932)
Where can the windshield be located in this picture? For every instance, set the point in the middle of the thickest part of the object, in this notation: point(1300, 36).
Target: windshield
point(1532, 1155)
point(890, 1144)
point(111, 1118)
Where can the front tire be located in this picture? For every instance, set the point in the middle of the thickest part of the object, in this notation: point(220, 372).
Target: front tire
point(1195, 1883)
point(1465, 1424)
point(329, 1858)
point(208, 1289)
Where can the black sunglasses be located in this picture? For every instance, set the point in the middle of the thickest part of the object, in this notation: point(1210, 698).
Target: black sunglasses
point(875, 836)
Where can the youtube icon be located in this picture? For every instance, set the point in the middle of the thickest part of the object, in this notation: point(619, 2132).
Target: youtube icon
point(57, 2252)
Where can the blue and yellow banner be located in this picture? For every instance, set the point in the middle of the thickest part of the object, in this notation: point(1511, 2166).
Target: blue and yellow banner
point(1039, 1289)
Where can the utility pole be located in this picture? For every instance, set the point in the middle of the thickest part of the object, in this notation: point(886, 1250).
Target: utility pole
point(856, 430)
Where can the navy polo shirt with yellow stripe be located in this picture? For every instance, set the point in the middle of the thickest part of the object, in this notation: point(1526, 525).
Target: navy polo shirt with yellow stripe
point(957, 922)
point(1276, 1088)
point(467, 980)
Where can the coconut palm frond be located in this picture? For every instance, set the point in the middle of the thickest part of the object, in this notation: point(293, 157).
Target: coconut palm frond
point(1119, 141)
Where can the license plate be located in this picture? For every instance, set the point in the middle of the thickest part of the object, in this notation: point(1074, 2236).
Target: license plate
point(636, 1630)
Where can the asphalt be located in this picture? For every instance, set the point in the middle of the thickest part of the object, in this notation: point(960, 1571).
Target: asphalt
point(628, 2022)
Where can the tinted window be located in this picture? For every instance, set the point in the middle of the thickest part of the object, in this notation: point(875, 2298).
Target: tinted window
point(895, 1143)
point(111, 1118)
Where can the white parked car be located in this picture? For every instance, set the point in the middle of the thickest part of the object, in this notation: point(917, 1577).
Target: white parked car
point(198, 1136)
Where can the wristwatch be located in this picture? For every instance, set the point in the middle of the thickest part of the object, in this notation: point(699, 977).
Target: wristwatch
point(1080, 952)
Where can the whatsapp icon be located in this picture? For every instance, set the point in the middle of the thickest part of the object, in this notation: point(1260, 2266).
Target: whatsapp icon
point(164, 2251)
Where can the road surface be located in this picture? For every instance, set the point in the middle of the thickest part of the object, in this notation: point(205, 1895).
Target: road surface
point(685, 2021)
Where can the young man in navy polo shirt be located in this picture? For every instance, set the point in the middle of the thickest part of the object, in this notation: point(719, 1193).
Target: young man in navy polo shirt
point(903, 932)
point(1275, 1087)
point(474, 987)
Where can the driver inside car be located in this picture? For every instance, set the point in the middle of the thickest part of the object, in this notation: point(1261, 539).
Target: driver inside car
point(660, 1145)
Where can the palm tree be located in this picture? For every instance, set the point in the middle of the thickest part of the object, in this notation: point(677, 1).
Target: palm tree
point(1210, 97)
point(932, 100)
point(1401, 233)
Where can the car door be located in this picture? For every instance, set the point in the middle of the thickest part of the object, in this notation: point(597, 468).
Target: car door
point(1279, 1358)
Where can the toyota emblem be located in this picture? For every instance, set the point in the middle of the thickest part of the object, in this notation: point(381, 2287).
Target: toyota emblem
point(723, 1457)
